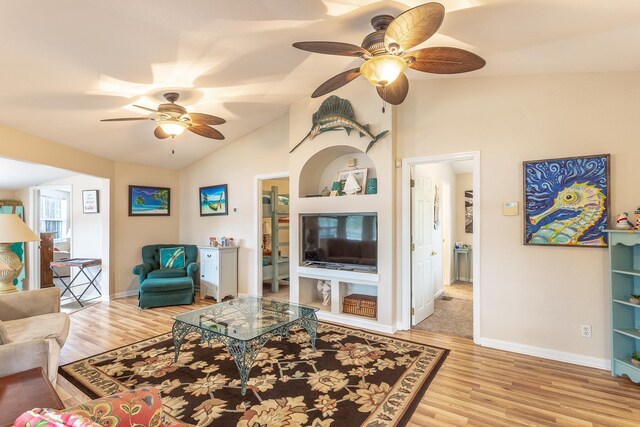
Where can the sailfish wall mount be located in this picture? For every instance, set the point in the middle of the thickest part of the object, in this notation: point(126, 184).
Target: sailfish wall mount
point(334, 114)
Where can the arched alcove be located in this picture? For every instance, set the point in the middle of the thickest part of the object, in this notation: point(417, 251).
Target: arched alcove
point(322, 169)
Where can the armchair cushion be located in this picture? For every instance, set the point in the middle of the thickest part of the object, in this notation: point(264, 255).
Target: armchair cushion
point(46, 326)
point(172, 258)
point(32, 331)
point(151, 254)
point(167, 273)
point(139, 407)
point(27, 304)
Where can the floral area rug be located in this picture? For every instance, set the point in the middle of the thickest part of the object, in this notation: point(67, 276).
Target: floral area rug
point(354, 378)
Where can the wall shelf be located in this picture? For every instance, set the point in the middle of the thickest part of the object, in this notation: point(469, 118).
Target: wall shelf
point(624, 262)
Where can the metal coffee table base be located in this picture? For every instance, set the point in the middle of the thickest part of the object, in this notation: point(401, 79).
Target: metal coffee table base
point(244, 352)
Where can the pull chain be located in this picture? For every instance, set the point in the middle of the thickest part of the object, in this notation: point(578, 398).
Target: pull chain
point(384, 101)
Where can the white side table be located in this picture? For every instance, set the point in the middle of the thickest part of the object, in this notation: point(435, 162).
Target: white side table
point(218, 271)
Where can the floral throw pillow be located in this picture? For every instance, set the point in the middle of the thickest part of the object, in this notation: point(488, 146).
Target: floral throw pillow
point(171, 258)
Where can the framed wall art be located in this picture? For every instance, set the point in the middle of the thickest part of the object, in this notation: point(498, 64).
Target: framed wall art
point(214, 200)
point(90, 202)
point(468, 211)
point(149, 201)
point(567, 201)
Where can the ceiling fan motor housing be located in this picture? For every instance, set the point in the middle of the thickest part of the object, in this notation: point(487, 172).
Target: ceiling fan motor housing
point(374, 42)
point(174, 110)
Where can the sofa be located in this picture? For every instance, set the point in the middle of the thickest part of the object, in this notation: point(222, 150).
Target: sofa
point(32, 332)
point(134, 408)
point(161, 287)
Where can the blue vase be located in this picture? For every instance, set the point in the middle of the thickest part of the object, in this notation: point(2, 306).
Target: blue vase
point(372, 186)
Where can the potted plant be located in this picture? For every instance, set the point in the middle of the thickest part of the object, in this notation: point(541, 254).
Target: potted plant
point(635, 299)
point(635, 359)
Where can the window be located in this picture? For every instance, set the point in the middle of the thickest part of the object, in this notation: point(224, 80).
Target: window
point(54, 215)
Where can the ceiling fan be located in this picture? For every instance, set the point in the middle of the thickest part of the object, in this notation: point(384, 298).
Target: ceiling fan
point(386, 56)
point(173, 119)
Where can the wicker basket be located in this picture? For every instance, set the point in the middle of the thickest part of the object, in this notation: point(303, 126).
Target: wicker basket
point(361, 305)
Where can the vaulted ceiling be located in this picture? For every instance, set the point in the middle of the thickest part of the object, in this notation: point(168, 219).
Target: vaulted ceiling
point(67, 64)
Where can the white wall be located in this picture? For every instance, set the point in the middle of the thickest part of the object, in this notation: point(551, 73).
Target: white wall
point(261, 152)
point(127, 235)
point(536, 297)
point(7, 194)
point(132, 233)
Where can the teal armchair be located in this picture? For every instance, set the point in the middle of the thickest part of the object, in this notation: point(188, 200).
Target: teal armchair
point(162, 287)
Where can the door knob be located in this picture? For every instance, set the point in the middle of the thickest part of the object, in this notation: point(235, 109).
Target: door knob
point(434, 253)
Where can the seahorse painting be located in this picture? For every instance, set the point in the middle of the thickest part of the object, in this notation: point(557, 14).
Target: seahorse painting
point(566, 201)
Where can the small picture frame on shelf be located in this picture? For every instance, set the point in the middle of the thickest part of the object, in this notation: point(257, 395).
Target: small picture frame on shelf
point(360, 176)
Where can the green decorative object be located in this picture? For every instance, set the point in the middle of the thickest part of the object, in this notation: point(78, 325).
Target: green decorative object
point(372, 186)
point(171, 258)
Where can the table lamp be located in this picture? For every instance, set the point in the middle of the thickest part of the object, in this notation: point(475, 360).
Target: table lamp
point(12, 230)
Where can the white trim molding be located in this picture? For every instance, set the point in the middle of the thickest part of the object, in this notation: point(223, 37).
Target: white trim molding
point(125, 294)
point(546, 353)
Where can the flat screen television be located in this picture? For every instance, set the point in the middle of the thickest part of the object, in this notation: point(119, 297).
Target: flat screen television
point(341, 240)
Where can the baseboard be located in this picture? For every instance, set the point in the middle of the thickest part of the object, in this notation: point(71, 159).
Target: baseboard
point(438, 294)
point(545, 353)
point(130, 293)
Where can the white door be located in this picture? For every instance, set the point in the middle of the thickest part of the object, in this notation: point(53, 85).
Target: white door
point(422, 271)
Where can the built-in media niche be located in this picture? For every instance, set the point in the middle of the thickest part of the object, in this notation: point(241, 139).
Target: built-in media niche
point(341, 241)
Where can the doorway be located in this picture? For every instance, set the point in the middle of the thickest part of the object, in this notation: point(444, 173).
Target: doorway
point(273, 237)
point(440, 229)
point(70, 228)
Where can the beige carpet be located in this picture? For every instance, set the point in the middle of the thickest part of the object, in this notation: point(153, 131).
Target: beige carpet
point(453, 313)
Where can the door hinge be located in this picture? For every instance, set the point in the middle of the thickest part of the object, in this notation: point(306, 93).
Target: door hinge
point(413, 247)
point(413, 311)
point(412, 182)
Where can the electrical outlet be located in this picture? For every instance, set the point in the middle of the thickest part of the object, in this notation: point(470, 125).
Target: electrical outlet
point(585, 331)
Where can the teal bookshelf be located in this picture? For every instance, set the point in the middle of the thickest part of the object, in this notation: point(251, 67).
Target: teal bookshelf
point(624, 264)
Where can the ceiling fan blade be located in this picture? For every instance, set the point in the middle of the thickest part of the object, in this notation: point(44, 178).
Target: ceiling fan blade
point(145, 108)
point(396, 92)
point(126, 119)
point(160, 134)
point(414, 26)
point(332, 48)
point(336, 82)
point(205, 119)
point(445, 60)
point(206, 131)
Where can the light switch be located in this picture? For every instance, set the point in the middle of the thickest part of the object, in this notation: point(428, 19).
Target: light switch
point(510, 208)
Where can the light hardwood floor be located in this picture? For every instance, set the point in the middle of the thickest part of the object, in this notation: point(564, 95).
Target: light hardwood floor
point(475, 386)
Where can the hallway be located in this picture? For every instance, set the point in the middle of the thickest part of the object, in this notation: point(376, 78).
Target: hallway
point(453, 312)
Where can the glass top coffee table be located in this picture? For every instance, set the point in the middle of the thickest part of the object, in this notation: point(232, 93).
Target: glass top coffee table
point(245, 325)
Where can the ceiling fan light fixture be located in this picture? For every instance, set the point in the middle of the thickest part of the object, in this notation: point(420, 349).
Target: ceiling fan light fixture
point(383, 70)
point(172, 127)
